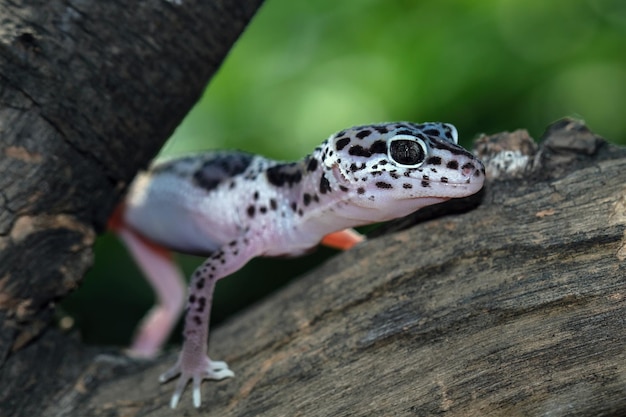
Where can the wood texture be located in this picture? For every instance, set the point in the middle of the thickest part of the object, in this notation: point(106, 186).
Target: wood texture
point(515, 307)
point(89, 91)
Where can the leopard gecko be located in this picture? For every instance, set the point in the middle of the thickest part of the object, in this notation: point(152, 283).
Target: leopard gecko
point(233, 206)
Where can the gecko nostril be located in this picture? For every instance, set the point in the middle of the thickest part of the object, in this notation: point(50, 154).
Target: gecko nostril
point(468, 169)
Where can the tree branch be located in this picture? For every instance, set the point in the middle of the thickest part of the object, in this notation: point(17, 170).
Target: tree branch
point(515, 307)
point(90, 91)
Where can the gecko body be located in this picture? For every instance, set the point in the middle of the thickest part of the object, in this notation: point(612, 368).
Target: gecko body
point(233, 206)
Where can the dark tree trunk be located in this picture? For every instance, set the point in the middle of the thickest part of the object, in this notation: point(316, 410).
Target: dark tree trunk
point(89, 91)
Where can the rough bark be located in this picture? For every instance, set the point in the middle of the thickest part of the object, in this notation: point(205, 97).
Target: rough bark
point(513, 305)
point(89, 91)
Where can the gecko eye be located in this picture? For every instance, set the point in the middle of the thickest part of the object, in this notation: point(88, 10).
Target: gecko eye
point(407, 150)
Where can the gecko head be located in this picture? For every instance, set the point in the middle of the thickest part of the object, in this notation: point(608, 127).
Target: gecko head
point(401, 167)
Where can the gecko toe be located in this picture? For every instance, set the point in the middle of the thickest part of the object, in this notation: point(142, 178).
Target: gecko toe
point(178, 392)
point(218, 370)
point(174, 401)
point(197, 395)
point(170, 373)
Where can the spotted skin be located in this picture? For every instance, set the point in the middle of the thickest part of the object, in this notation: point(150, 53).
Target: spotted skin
point(233, 206)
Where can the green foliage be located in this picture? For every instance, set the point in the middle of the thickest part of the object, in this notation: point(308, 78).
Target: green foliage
point(305, 69)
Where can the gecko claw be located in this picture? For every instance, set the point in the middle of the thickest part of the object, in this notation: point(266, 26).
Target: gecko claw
point(208, 370)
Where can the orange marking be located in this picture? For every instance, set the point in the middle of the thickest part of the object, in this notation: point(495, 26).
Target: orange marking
point(116, 221)
point(343, 240)
point(116, 224)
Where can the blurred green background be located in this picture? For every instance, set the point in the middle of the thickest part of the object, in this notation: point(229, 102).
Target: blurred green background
point(303, 70)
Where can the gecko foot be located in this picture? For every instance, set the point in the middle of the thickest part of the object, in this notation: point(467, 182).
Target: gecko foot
point(208, 370)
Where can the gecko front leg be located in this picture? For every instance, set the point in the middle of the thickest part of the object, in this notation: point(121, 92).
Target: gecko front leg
point(193, 363)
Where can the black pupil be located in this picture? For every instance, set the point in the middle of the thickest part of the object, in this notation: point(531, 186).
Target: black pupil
point(406, 152)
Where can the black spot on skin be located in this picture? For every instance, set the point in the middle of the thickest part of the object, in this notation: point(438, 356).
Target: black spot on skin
point(312, 165)
point(232, 243)
point(363, 134)
point(425, 183)
point(251, 211)
point(407, 186)
point(468, 166)
point(255, 195)
point(300, 212)
point(232, 185)
point(360, 190)
point(426, 177)
point(197, 320)
point(432, 132)
point(200, 284)
point(294, 206)
point(273, 204)
point(477, 173)
point(354, 167)
point(381, 129)
point(192, 298)
point(285, 174)
point(394, 175)
point(383, 162)
point(433, 170)
point(453, 165)
point(343, 188)
point(384, 185)
point(324, 185)
point(263, 209)
point(358, 150)
point(316, 198)
point(434, 160)
point(306, 199)
point(342, 143)
point(450, 147)
point(380, 146)
point(407, 132)
point(217, 167)
point(444, 179)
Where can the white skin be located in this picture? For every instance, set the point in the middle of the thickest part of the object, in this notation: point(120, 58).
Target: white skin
point(233, 207)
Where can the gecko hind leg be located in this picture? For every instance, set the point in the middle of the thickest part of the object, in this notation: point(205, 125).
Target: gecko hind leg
point(168, 284)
